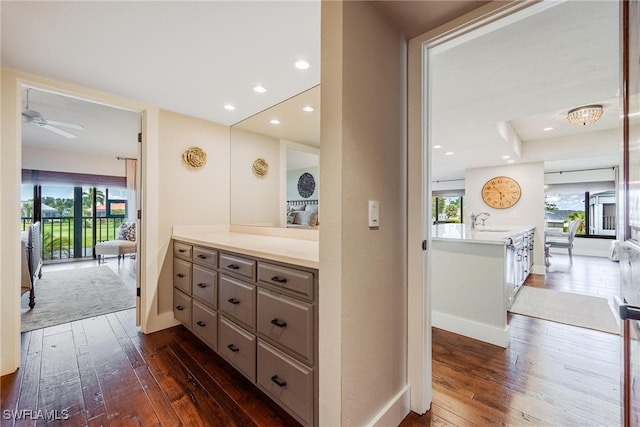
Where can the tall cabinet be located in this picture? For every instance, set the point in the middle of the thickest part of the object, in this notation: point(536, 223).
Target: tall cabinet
point(259, 314)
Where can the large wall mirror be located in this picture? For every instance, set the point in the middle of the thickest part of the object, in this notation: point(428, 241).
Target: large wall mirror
point(275, 165)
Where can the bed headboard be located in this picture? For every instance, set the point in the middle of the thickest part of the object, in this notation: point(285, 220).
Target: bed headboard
point(294, 203)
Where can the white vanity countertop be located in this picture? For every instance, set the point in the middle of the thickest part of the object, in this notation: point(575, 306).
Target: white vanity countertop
point(289, 250)
point(496, 235)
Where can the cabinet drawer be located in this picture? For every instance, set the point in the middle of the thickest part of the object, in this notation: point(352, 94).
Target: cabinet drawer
point(182, 275)
point(243, 267)
point(238, 300)
point(204, 323)
point(287, 323)
point(182, 250)
point(182, 307)
point(286, 381)
point(238, 347)
point(297, 282)
point(205, 285)
point(206, 257)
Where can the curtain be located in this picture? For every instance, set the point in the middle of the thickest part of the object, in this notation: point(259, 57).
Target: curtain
point(132, 209)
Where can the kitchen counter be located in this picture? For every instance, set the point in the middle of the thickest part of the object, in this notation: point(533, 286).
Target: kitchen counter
point(482, 234)
point(289, 250)
point(473, 279)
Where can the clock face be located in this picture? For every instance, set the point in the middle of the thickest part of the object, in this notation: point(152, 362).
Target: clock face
point(501, 192)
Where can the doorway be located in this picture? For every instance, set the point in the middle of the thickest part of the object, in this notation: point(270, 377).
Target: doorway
point(424, 125)
point(80, 181)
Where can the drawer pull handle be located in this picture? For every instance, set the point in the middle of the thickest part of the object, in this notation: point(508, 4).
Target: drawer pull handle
point(235, 301)
point(180, 275)
point(233, 266)
point(182, 250)
point(279, 279)
point(233, 348)
point(179, 307)
point(278, 323)
point(278, 381)
point(202, 285)
point(201, 323)
point(202, 256)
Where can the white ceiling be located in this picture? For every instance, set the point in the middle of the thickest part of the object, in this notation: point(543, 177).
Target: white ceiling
point(194, 57)
point(525, 76)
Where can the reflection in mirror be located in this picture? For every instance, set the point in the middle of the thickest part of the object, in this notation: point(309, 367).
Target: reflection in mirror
point(275, 164)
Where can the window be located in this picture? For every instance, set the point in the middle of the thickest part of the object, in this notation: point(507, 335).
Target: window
point(447, 209)
point(593, 202)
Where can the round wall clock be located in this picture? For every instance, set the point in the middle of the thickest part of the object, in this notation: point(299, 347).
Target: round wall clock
point(501, 192)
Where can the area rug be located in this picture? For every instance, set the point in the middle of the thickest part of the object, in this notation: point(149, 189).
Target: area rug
point(66, 295)
point(563, 307)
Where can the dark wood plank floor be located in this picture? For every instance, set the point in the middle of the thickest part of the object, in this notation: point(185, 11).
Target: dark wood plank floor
point(103, 371)
point(550, 375)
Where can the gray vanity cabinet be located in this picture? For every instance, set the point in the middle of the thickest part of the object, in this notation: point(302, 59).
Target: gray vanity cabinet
point(266, 320)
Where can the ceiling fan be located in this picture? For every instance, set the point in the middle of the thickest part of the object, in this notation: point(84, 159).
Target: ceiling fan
point(32, 116)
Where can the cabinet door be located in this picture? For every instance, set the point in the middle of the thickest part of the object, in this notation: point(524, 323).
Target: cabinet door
point(182, 307)
point(286, 381)
point(292, 281)
point(205, 285)
point(238, 347)
point(237, 300)
point(204, 323)
point(238, 266)
point(205, 256)
point(182, 275)
point(287, 323)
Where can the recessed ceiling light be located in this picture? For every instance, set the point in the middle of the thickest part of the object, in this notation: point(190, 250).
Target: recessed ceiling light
point(302, 64)
point(448, 153)
point(259, 89)
point(547, 129)
point(275, 122)
point(510, 161)
point(229, 107)
point(506, 156)
point(307, 109)
point(437, 146)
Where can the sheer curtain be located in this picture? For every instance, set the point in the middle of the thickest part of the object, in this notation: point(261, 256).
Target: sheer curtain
point(132, 209)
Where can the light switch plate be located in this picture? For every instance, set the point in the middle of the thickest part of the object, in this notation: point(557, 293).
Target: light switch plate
point(374, 213)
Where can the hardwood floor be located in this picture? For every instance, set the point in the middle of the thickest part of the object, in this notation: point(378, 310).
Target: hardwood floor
point(551, 374)
point(103, 371)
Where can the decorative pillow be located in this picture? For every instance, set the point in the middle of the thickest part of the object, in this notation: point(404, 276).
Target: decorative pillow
point(127, 231)
point(291, 217)
point(309, 217)
point(296, 207)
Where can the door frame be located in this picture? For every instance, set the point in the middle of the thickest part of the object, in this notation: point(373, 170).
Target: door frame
point(419, 359)
point(10, 169)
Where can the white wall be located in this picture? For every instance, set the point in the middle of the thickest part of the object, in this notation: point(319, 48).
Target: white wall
point(528, 211)
point(255, 200)
point(189, 196)
point(363, 290)
point(68, 161)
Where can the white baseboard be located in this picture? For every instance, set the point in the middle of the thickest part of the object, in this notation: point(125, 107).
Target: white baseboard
point(469, 328)
point(394, 411)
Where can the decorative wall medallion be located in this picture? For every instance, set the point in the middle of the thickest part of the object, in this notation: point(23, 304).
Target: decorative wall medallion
point(306, 185)
point(260, 167)
point(195, 157)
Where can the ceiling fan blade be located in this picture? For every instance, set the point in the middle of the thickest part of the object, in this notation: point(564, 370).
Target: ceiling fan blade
point(64, 124)
point(59, 131)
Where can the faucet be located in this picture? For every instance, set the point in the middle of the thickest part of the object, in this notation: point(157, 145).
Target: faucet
point(475, 218)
